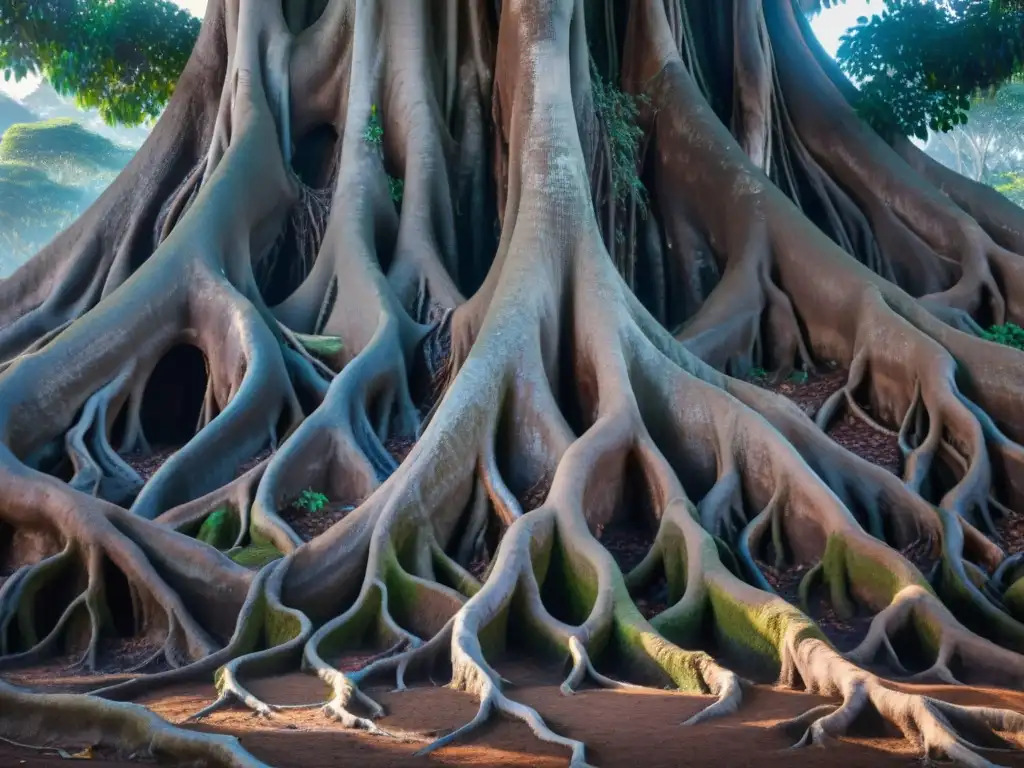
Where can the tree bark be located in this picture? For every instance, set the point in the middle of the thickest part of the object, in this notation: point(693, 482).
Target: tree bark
point(474, 310)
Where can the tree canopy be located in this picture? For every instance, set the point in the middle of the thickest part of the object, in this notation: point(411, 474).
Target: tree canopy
point(918, 63)
point(121, 57)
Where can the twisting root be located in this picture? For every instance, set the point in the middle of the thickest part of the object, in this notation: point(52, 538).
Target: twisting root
point(68, 719)
point(286, 631)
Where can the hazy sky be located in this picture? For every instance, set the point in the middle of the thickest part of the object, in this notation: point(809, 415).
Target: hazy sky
point(829, 25)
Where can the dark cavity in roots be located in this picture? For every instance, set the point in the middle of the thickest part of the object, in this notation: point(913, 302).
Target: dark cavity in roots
point(847, 429)
point(844, 634)
point(173, 399)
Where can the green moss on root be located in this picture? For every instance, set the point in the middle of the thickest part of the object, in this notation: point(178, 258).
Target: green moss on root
point(220, 529)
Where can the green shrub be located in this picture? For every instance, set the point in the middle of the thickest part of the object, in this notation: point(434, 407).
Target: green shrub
point(310, 500)
point(1011, 335)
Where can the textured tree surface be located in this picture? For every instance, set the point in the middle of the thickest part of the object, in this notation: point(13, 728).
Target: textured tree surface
point(362, 225)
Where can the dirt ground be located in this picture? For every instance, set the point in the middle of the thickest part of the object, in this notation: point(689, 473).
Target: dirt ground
point(618, 728)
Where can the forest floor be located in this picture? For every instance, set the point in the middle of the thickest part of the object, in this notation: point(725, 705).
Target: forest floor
point(612, 724)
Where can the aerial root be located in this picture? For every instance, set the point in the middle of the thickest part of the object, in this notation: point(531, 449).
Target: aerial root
point(406, 648)
point(828, 721)
point(286, 630)
point(26, 581)
point(99, 470)
point(492, 698)
point(929, 723)
point(583, 668)
point(914, 606)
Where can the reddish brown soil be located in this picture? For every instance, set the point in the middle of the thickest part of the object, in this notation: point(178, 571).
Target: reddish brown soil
point(1011, 533)
point(479, 566)
point(308, 524)
point(535, 495)
point(618, 728)
point(811, 394)
point(922, 554)
point(251, 463)
point(399, 447)
point(851, 432)
point(859, 437)
point(147, 466)
point(116, 658)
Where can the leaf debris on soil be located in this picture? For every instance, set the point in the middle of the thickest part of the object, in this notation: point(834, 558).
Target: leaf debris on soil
point(309, 525)
point(849, 431)
point(844, 635)
point(629, 546)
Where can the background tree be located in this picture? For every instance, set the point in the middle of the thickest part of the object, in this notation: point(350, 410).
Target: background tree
point(121, 57)
point(992, 137)
point(919, 63)
point(520, 352)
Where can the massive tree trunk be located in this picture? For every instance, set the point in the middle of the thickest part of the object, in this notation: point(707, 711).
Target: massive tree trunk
point(382, 220)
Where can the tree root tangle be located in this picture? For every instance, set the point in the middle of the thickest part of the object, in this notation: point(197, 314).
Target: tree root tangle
point(543, 379)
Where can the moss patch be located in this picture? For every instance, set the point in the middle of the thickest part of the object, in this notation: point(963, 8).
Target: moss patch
point(220, 529)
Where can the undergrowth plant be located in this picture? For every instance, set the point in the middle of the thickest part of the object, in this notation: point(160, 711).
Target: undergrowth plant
point(1010, 334)
point(374, 135)
point(618, 112)
point(310, 501)
point(395, 188)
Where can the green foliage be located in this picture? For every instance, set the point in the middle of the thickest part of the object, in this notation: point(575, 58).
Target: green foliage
point(919, 62)
point(374, 133)
point(758, 373)
point(618, 113)
point(991, 138)
point(799, 377)
point(374, 136)
point(1010, 334)
point(310, 500)
point(121, 57)
point(1011, 184)
point(395, 188)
